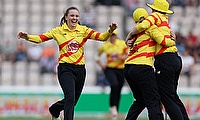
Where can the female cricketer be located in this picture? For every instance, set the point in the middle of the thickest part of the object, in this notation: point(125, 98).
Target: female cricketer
point(70, 37)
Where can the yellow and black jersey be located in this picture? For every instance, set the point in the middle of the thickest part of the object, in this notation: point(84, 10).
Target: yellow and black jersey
point(161, 21)
point(143, 50)
point(112, 51)
point(70, 42)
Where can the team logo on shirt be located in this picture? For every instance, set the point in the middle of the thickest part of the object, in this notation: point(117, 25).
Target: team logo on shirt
point(113, 56)
point(73, 46)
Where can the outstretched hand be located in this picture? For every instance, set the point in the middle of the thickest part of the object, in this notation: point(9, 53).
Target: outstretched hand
point(129, 43)
point(113, 26)
point(23, 35)
point(173, 35)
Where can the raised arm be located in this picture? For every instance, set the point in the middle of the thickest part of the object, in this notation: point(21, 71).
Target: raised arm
point(23, 35)
point(104, 36)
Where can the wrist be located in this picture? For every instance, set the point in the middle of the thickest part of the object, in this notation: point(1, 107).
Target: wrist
point(27, 37)
point(110, 31)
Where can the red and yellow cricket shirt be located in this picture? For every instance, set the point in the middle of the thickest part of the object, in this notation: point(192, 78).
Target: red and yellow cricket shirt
point(112, 51)
point(70, 42)
point(161, 20)
point(143, 50)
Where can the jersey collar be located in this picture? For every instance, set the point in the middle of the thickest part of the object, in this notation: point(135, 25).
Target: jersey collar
point(67, 28)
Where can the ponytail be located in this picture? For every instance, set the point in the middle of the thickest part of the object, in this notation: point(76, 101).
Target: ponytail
point(62, 21)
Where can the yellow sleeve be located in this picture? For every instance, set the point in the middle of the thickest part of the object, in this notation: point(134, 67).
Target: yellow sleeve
point(104, 36)
point(160, 38)
point(35, 38)
point(145, 24)
point(95, 35)
point(42, 37)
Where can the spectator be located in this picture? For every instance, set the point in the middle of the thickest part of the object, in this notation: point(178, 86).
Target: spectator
point(180, 43)
point(198, 53)
point(180, 3)
point(48, 60)
point(131, 5)
point(191, 40)
point(1, 57)
point(197, 7)
point(175, 25)
point(89, 17)
point(195, 4)
point(7, 50)
point(21, 52)
point(191, 2)
point(34, 53)
point(188, 64)
point(192, 43)
point(107, 2)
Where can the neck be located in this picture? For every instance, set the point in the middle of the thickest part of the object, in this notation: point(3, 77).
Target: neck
point(71, 27)
point(112, 41)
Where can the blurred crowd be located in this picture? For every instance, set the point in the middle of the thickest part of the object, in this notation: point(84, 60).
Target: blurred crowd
point(185, 3)
point(24, 52)
point(133, 4)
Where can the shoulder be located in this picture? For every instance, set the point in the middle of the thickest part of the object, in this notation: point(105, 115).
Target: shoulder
point(153, 27)
point(104, 45)
point(155, 14)
point(82, 27)
point(121, 42)
point(57, 28)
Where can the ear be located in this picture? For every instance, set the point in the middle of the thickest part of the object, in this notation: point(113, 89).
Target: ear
point(65, 17)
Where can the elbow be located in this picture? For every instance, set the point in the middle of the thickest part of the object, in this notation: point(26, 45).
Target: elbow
point(142, 28)
point(163, 44)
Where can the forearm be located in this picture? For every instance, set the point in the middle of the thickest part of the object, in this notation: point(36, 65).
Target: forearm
point(122, 57)
point(100, 64)
point(133, 32)
point(34, 38)
point(104, 36)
